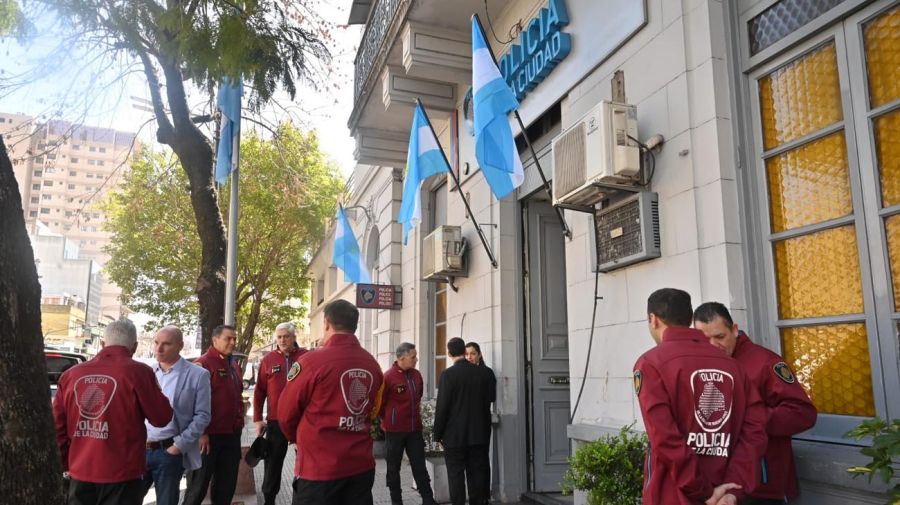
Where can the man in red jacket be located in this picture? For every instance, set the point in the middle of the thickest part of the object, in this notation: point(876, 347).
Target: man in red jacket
point(221, 442)
point(327, 406)
point(99, 413)
point(789, 409)
point(270, 382)
point(401, 421)
point(704, 419)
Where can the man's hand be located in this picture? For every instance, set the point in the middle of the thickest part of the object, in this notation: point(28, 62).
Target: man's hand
point(173, 450)
point(204, 444)
point(720, 495)
point(260, 427)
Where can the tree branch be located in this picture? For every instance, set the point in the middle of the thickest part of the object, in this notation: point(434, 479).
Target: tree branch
point(166, 132)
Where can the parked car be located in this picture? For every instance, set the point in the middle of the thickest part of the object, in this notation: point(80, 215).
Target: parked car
point(57, 363)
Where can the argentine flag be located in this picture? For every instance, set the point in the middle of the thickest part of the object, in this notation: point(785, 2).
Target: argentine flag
point(346, 251)
point(229, 99)
point(495, 148)
point(423, 160)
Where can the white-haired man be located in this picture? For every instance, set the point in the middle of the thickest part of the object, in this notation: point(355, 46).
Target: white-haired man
point(269, 383)
point(99, 413)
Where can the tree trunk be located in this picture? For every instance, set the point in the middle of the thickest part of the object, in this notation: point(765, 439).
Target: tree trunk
point(30, 471)
point(245, 343)
point(196, 156)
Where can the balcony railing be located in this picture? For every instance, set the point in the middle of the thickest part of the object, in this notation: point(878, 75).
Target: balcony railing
point(377, 28)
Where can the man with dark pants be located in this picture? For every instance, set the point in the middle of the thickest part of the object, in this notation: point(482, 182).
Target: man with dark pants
point(401, 421)
point(462, 423)
point(269, 383)
point(789, 409)
point(175, 447)
point(221, 444)
point(327, 406)
point(99, 414)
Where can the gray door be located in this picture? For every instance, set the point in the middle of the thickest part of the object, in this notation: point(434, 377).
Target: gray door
point(547, 347)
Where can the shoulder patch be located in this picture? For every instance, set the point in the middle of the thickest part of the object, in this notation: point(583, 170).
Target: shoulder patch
point(401, 388)
point(638, 379)
point(294, 371)
point(784, 372)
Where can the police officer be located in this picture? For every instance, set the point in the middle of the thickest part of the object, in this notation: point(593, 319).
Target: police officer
point(99, 414)
point(789, 409)
point(401, 420)
point(270, 382)
point(704, 420)
point(221, 443)
point(327, 405)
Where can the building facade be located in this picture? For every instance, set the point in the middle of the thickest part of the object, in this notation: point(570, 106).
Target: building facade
point(778, 189)
point(64, 171)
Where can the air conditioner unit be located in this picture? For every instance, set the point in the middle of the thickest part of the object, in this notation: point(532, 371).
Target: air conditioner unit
point(443, 254)
point(627, 232)
point(596, 150)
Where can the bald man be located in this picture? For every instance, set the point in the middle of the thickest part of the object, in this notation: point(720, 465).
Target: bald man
point(174, 448)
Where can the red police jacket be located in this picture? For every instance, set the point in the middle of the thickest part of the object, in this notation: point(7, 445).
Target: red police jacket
point(270, 381)
point(401, 400)
point(326, 408)
point(99, 412)
point(226, 404)
point(789, 411)
point(705, 421)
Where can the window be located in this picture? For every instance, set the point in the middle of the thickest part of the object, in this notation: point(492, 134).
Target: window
point(38, 173)
point(830, 166)
point(102, 149)
point(320, 290)
point(73, 160)
point(32, 213)
point(35, 199)
point(100, 163)
point(92, 162)
point(73, 173)
point(68, 213)
point(46, 197)
point(48, 183)
point(45, 210)
point(76, 147)
point(71, 186)
point(96, 215)
point(90, 175)
point(2, 119)
point(439, 291)
point(35, 187)
point(92, 149)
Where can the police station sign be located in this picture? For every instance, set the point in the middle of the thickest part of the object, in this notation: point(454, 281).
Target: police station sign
point(541, 47)
point(379, 296)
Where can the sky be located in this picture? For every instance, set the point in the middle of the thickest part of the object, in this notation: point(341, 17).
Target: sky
point(57, 73)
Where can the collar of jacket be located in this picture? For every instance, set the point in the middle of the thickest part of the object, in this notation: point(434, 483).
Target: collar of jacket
point(742, 340)
point(114, 350)
point(339, 339)
point(213, 353)
point(681, 333)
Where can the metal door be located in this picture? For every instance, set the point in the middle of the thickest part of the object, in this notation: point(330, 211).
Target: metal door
point(547, 346)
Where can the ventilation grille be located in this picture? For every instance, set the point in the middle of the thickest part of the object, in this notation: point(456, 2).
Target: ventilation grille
point(627, 232)
point(428, 255)
point(569, 163)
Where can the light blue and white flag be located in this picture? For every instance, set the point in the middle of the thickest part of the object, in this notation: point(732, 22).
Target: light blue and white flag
point(346, 251)
point(495, 148)
point(423, 160)
point(229, 99)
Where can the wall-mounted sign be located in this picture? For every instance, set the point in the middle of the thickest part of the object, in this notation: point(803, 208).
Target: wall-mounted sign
point(541, 47)
point(379, 296)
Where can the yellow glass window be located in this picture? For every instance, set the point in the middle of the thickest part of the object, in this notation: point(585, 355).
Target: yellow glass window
point(832, 363)
point(887, 146)
point(809, 184)
point(882, 39)
point(818, 274)
point(800, 97)
point(892, 232)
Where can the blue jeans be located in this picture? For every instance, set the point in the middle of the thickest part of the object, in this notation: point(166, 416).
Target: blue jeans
point(164, 470)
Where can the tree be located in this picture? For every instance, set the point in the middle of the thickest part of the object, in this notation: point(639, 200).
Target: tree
point(270, 44)
point(26, 427)
point(288, 191)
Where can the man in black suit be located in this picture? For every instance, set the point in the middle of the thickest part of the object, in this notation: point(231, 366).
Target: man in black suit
point(462, 424)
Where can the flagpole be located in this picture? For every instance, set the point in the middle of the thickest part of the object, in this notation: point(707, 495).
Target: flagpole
point(481, 236)
point(231, 262)
point(559, 213)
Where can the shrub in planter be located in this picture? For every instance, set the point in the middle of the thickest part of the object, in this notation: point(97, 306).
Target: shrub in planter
point(885, 452)
point(609, 470)
point(432, 447)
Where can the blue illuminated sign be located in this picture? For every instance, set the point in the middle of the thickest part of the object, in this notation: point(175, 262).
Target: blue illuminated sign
point(541, 47)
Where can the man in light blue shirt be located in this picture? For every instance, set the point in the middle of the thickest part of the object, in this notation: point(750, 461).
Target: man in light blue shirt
point(174, 448)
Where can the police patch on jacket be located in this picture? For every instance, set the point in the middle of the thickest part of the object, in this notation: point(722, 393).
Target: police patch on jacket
point(784, 372)
point(294, 371)
point(638, 379)
point(222, 372)
point(401, 388)
point(276, 369)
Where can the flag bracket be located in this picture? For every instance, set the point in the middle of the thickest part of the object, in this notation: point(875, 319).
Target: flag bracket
point(469, 213)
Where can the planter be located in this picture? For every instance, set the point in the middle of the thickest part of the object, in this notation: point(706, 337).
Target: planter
point(437, 469)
